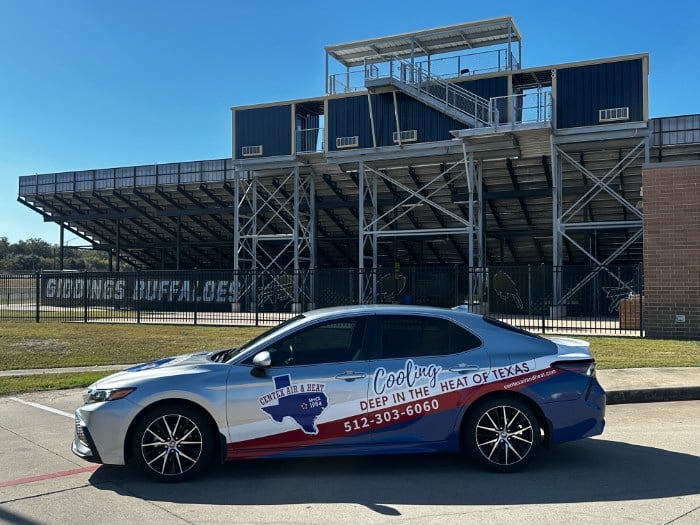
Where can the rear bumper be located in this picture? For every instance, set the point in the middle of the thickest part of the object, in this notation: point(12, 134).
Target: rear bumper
point(579, 418)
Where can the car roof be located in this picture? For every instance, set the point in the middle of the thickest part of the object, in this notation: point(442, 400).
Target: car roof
point(390, 309)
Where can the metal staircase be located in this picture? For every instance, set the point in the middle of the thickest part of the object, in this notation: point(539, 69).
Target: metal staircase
point(460, 104)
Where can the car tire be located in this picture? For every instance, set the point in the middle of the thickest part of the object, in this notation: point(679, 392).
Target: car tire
point(502, 434)
point(173, 443)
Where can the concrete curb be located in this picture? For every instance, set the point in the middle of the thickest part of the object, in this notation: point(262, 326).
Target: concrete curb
point(652, 395)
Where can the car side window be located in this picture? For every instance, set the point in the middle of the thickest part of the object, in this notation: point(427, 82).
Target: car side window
point(329, 342)
point(405, 336)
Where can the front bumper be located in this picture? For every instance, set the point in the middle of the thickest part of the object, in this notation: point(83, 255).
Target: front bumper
point(83, 445)
point(101, 431)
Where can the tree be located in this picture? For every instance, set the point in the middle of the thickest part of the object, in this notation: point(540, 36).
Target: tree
point(33, 255)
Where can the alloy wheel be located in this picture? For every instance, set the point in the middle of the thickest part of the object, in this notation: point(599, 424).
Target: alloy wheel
point(171, 445)
point(504, 435)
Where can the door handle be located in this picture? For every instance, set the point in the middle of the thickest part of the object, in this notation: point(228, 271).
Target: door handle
point(464, 369)
point(350, 376)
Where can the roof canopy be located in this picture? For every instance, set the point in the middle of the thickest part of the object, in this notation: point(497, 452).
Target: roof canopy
point(428, 42)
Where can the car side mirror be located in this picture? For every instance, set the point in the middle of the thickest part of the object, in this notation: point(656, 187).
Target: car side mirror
point(261, 361)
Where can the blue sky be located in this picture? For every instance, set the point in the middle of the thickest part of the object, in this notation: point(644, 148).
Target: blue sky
point(95, 83)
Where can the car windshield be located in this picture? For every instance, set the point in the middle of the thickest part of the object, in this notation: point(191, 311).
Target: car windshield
point(235, 352)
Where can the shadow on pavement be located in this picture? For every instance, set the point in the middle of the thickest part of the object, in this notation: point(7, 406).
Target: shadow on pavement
point(592, 470)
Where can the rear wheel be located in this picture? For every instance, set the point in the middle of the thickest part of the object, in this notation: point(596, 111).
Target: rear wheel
point(173, 443)
point(502, 434)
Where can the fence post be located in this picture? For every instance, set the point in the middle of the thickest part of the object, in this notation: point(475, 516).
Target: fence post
point(640, 291)
point(529, 289)
point(485, 282)
point(196, 295)
point(85, 297)
point(255, 297)
point(138, 296)
point(544, 298)
point(37, 302)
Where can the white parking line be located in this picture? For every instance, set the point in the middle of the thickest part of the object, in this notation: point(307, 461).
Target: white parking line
point(43, 407)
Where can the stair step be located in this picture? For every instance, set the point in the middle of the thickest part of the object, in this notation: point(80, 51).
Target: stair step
point(446, 97)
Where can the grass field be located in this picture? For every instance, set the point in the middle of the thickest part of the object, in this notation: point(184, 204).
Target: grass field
point(26, 345)
point(55, 344)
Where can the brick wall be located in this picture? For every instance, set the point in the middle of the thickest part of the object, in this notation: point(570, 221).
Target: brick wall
point(672, 249)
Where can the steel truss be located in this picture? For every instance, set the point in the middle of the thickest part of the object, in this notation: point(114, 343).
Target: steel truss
point(563, 218)
point(274, 234)
point(276, 220)
point(375, 223)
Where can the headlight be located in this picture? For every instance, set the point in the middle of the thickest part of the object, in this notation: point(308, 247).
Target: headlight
point(109, 394)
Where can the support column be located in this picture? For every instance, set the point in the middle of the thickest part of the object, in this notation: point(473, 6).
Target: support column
point(375, 237)
point(313, 245)
point(367, 232)
point(296, 305)
point(177, 244)
point(236, 304)
point(482, 222)
point(119, 243)
point(481, 214)
point(647, 148)
point(475, 256)
point(510, 50)
point(253, 188)
point(470, 256)
point(471, 187)
point(361, 234)
point(60, 249)
point(557, 309)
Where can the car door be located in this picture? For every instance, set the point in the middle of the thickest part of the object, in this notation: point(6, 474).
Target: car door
point(422, 371)
point(313, 395)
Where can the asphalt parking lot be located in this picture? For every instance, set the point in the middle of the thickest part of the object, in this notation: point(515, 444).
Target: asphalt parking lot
point(644, 468)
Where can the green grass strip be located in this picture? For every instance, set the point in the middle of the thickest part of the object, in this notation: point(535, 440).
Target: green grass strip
point(54, 345)
point(34, 383)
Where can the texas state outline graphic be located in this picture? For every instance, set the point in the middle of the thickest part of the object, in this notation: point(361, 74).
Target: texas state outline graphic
point(302, 407)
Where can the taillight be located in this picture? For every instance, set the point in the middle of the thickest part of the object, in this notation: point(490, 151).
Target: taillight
point(584, 367)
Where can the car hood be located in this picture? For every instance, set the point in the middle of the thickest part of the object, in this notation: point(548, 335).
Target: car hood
point(170, 362)
point(168, 366)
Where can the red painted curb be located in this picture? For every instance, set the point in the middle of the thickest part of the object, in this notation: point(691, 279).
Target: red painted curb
point(22, 481)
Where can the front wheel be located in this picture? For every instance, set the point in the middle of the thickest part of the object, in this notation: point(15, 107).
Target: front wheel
point(502, 434)
point(173, 443)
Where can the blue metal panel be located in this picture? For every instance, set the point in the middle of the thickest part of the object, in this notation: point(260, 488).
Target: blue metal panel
point(270, 127)
point(431, 124)
point(349, 117)
point(583, 91)
point(487, 87)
